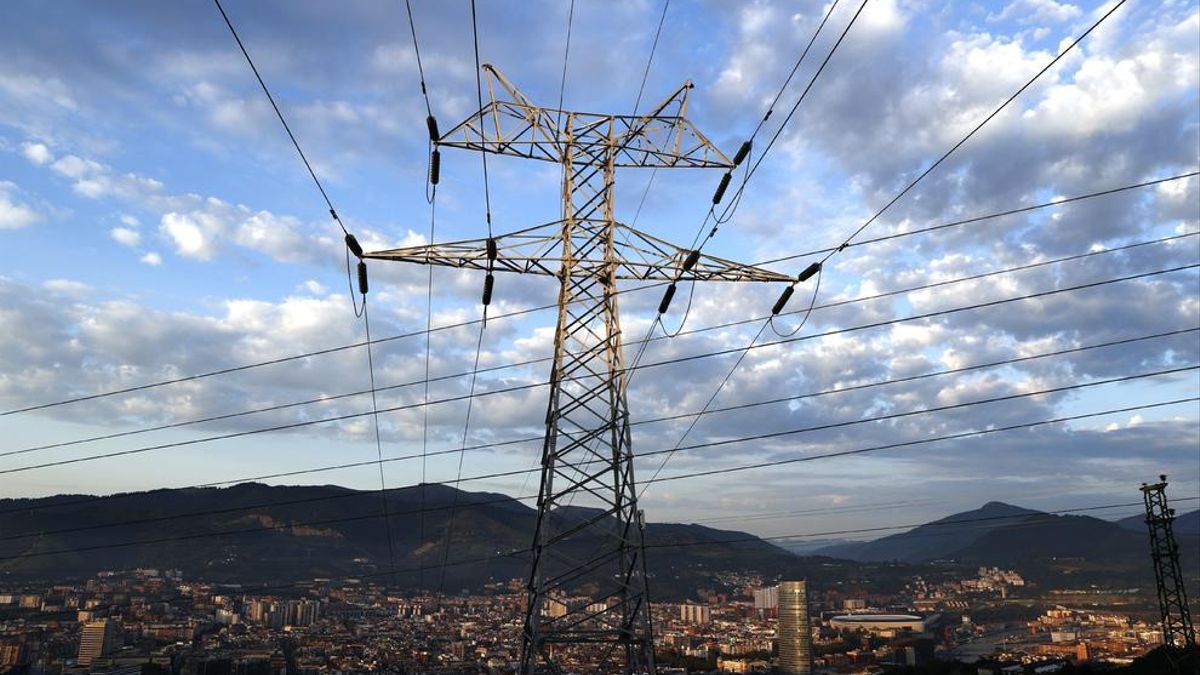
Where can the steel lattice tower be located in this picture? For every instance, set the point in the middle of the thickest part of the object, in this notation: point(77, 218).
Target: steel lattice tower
point(1172, 595)
point(586, 595)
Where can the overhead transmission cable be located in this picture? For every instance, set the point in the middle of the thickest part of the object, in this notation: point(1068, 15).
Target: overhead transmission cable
point(775, 463)
point(681, 359)
point(955, 523)
point(351, 495)
point(818, 267)
point(351, 246)
point(539, 308)
point(975, 522)
point(638, 103)
point(975, 219)
point(742, 154)
point(487, 299)
point(1117, 5)
point(120, 453)
point(741, 406)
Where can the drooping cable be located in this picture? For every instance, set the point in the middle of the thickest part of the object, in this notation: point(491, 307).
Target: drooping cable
point(387, 520)
point(638, 103)
point(279, 114)
point(741, 406)
point(738, 468)
point(523, 312)
point(562, 84)
point(487, 198)
point(462, 452)
point(1117, 5)
point(704, 408)
point(867, 326)
point(412, 26)
point(990, 216)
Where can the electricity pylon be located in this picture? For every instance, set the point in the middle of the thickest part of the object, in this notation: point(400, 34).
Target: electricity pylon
point(586, 603)
point(1177, 628)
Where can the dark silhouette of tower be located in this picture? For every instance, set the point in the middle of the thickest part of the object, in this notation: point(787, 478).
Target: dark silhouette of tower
point(1177, 628)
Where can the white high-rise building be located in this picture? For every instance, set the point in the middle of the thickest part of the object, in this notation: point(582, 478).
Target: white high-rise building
point(766, 598)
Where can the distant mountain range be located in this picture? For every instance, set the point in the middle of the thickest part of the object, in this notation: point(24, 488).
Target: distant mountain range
point(253, 533)
point(1043, 545)
point(1187, 524)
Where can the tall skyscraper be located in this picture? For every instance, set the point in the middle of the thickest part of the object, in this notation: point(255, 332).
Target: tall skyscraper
point(795, 630)
point(98, 638)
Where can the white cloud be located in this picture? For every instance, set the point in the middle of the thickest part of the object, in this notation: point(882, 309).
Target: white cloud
point(67, 287)
point(30, 87)
point(129, 220)
point(37, 153)
point(126, 236)
point(152, 259)
point(14, 214)
point(1037, 11)
point(314, 287)
point(194, 234)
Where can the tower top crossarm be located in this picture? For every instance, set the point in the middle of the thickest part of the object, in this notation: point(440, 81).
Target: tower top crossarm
point(510, 124)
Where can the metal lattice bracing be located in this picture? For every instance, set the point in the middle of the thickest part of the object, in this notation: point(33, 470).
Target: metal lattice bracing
point(587, 600)
point(1172, 595)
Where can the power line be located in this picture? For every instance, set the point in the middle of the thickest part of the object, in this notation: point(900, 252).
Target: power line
point(331, 350)
point(912, 413)
point(279, 114)
point(992, 364)
point(344, 519)
point(926, 315)
point(727, 213)
point(979, 126)
point(637, 358)
point(265, 588)
point(387, 521)
point(462, 452)
point(562, 85)
point(412, 26)
point(990, 216)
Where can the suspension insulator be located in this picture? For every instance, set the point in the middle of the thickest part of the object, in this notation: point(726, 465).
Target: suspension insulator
point(690, 261)
point(362, 277)
point(352, 244)
point(666, 299)
point(809, 271)
point(741, 154)
point(722, 187)
point(435, 166)
point(431, 122)
point(488, 282)
point(491, 249)
point(783, 300)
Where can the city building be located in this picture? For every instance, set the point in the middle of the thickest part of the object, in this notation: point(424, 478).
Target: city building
point(879, 623)
point(795, 631)
point(766, 598)
point(97, 639)
point(695, 613)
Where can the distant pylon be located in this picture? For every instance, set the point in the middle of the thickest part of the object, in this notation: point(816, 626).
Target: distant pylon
point(1177, 626)
point(587, 599)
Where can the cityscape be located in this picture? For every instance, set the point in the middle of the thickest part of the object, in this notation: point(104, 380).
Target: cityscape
point(599, 337)
point(156, 621)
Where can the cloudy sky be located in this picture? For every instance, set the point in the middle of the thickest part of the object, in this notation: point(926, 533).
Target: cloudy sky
point(155, 222)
